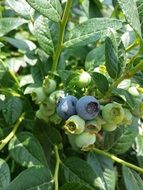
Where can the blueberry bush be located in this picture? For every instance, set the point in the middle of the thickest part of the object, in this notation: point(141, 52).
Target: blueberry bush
point(71, 95)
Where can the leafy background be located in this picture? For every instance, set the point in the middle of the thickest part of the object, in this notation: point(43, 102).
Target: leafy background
point(100, 36)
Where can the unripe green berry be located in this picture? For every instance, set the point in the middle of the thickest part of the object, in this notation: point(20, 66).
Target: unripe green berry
point(74, 125)
point(56, 95)
point(94, 126)
point(82, 140)
point(38, 95)
point(47, 109)
point(109, 126)
point(42, 116)
point(84, 79)
point(85, 139)
point(49, 85)
point(128, 118)
point(113, 113)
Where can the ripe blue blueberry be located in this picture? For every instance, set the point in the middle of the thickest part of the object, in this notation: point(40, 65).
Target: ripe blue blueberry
point(87, 107)
point(66, 107)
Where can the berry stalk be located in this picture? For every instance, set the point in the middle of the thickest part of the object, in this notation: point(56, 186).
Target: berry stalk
point(56, 168)
point(118, 160)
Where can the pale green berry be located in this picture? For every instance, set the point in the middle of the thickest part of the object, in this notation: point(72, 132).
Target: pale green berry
point(138, 109)
point(133, 91)
point(113, 113)
point(38, 95)
point(109, 126)
point(48, 109)
point(128, 117)
point(49, 85)
point(85, 139)
point(82, 140)
point(42, 116)
point(56, 95)
point(74, 125)
point(94, 126)
point(100, 120)
point(84, 79)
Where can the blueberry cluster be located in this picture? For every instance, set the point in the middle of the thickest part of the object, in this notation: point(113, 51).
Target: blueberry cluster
point(81, 116)
point(85, 117)
point(83, 121)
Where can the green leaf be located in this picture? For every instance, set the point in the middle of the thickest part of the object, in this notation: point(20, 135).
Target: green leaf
point(26, 79)
point(95, 9)
point(111, 58)
point(120, 140)
point(27, 151)
point(76, 186)
point(22, 8)
point(91, 30)
point(139, 149)
point(43, 29)
point(125, 95)
point(95, 58)
point(132, 180)
point(12, 109)
point(54, 136)
point(32, 179)
point(140, 160)
point(38, 73)
point(2, 69)
point(4, 175)
point(104, 168)
point(9, 24)
point(48, 8)
point(24, 45)
point(1, 45)
point(65, 75)
point(71, 80)
point(15, 63)
point(138, 77)
point(130, 11)
point(139, 145)
point(101, 82)
point(140, 8)
point(47, 132)
point(121, 58)
point(79, 171)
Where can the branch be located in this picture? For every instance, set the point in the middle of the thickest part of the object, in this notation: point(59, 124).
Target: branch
point(12, 133)
point(62, 25)
point(125, 75)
